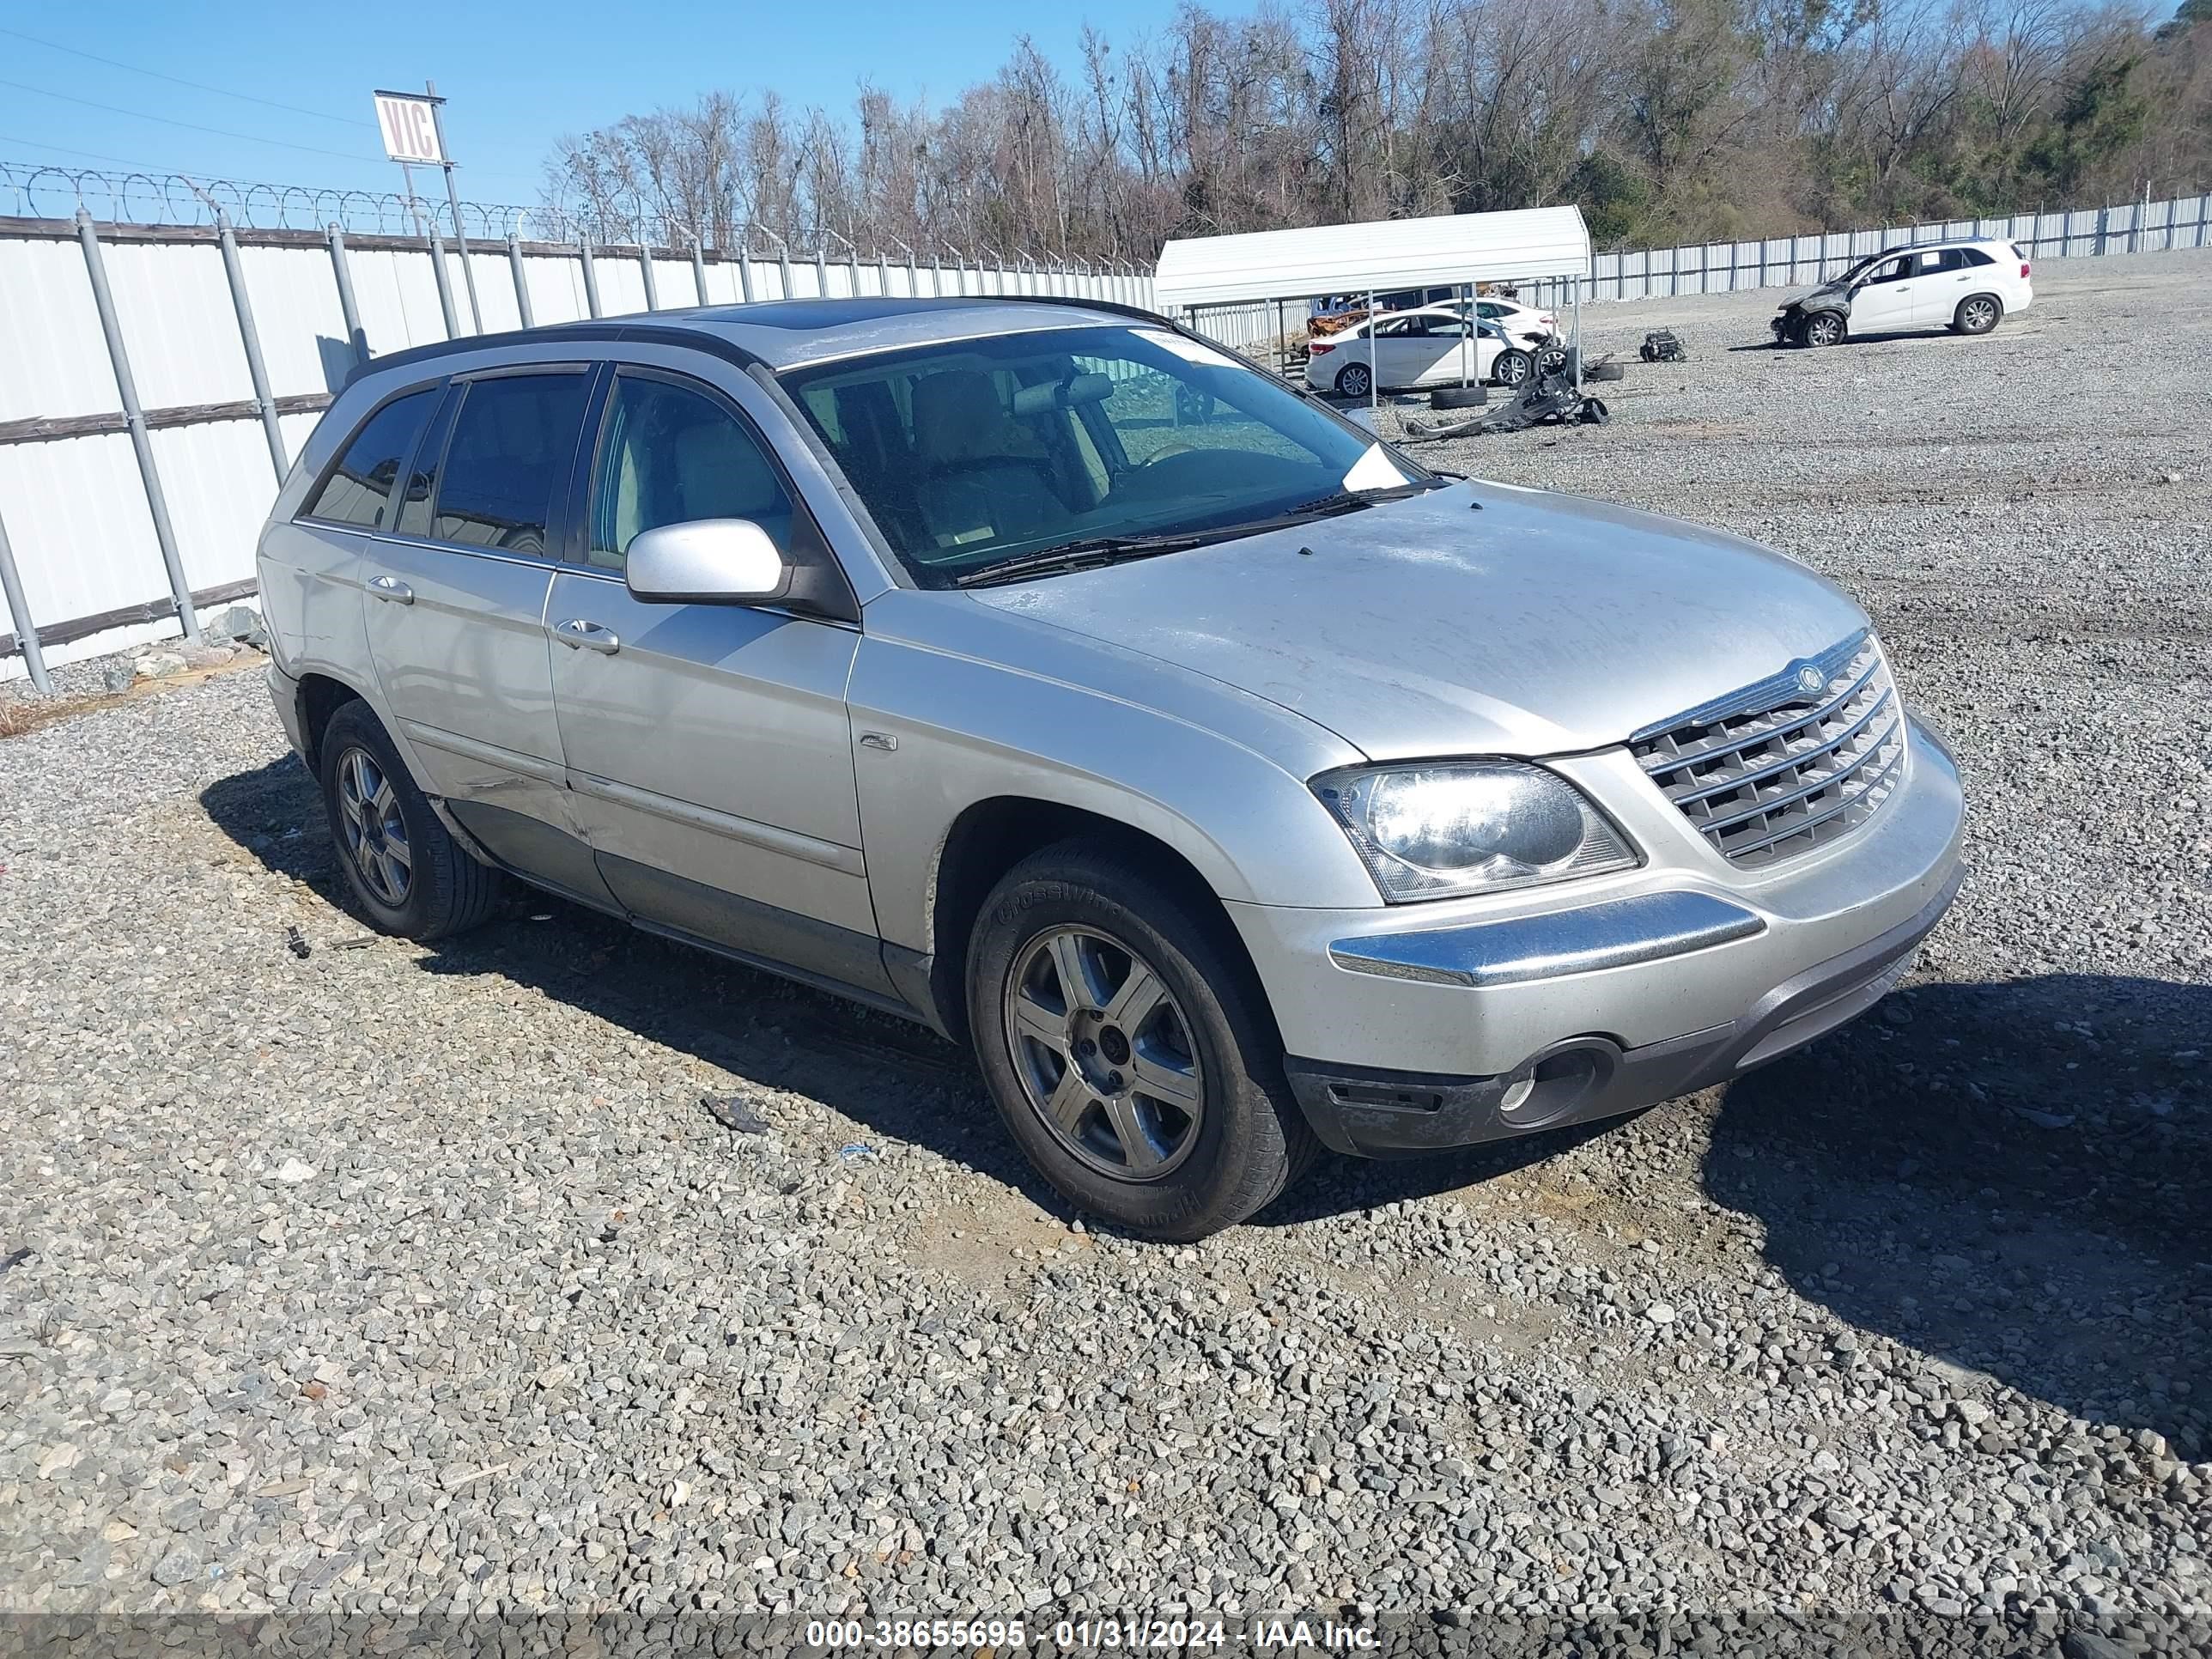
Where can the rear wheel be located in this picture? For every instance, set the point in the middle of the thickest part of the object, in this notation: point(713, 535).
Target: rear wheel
point(1978, 313)
point(1822, 328)
point(409, 877)
point(1354, 381)
point(1129, 1054)
point(1512, 368)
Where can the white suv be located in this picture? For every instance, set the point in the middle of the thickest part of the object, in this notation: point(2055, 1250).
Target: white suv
point(1968, 287)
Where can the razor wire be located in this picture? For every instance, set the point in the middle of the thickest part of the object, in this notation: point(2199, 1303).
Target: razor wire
point(43, 190)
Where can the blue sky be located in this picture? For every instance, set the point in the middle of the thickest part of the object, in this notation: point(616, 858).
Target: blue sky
point(518, 75)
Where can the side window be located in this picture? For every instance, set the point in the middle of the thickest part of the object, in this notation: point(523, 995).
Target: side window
point(513, 442)
point(1969, 256)
point(422, 477)
point(1933, 261)
point(671, 455)
point(359, 488)
point(1896, 270)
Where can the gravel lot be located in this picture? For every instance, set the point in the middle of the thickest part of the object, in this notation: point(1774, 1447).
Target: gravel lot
point(394, 1278)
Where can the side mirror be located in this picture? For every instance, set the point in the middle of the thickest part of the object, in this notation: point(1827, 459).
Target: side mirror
point(707, 562)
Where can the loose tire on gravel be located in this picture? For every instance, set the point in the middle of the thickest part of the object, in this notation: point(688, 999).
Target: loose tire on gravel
point(1459, 396)
point(1605, 372)
point(409, 877)
point(1128, 1049)
point(1978, 313)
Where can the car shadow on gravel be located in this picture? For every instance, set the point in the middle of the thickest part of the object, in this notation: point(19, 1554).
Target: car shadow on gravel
point(2012, 1177)
point(900, 1080)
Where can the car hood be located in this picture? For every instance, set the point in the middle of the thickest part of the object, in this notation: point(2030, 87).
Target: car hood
point(1825, 291)
point(1479, 619)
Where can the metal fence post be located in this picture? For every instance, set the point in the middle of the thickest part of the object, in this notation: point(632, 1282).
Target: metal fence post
point(444, 281)
point(256, 371)
point(590, 277)
point(746, 262)
point(852, 268)
point(27, 631)
point(356, 340)
point(134, 417)
point(783, 266)
point(522, 285)
point(652, 288)
point(698, 268)
point(820, 267)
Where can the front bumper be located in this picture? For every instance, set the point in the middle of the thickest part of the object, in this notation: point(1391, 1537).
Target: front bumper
point(1414, 1027)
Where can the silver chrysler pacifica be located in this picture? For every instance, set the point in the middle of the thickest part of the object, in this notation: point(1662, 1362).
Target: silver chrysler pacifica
point(1039, 670)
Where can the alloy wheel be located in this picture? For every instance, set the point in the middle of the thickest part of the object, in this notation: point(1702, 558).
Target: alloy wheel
point(1354, 382)
point(1824, 330)
point(1104, 1053)
point(1980, 316)
point(374, 831)
point(1512, 369)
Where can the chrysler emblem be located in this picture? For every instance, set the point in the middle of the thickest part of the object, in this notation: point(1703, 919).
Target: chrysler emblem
point(1810, 678)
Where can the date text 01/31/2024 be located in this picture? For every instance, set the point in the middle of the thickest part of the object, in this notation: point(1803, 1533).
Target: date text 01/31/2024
point(1094, 1635)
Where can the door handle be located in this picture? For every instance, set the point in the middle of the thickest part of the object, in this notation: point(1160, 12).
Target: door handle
point(391, 588)
point(580, 635)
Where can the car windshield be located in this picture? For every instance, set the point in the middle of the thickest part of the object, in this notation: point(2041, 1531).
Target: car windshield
point(978, 453)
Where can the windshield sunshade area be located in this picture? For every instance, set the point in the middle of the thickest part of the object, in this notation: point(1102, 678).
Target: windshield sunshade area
point(980, 452)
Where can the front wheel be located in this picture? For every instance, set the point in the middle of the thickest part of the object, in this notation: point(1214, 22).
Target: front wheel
point(1354, 381)
point(1128, 1053)
point(1822, 328)
point(1978, 313)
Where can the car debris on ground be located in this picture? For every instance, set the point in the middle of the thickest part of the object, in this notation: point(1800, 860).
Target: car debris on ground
point(1552, 399)
point(1663, 345)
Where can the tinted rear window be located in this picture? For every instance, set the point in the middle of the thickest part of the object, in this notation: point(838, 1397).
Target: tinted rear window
point(513, 443)
point(358, 488)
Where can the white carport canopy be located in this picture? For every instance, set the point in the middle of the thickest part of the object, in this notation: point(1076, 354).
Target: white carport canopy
point(1525, 245)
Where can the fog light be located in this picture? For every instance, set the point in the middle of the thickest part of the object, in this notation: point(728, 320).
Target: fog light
point(1514, 1096)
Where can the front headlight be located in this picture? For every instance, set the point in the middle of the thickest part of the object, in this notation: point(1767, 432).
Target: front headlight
point(1442, 831)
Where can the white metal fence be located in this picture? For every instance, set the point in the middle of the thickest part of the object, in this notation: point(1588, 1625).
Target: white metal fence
point(1798, 261)
point(221, 345)
point(155, 380)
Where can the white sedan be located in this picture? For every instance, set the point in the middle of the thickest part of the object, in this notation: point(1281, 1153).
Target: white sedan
point(1524, 325)
point(1429, 347)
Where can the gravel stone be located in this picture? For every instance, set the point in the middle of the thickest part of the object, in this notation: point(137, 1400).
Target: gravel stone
point(536, 1333)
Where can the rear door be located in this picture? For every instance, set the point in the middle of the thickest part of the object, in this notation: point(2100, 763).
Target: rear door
point(455, 611)
point(1416, 351)
point(1938, 276)
point(709, 749)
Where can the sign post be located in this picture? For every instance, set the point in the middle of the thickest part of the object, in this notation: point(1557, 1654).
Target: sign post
point(413, 132)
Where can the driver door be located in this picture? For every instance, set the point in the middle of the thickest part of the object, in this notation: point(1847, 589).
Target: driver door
point(708, 745)
point(1884, 302)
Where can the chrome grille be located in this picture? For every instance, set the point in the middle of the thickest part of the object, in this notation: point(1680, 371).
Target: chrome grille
point(1788, 764)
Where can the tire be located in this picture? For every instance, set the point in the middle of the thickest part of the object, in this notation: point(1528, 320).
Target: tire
point(1354, 381)
point(1083, 910)
point(409, 877)
point(1822, 328)
point(1459, 396)
point(1512, 368)
point(1605, 372)
point(1978, 313)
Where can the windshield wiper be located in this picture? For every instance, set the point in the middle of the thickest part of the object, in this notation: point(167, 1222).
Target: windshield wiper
point(1345, 501)
point(1093, 552)
point(1090, 553)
